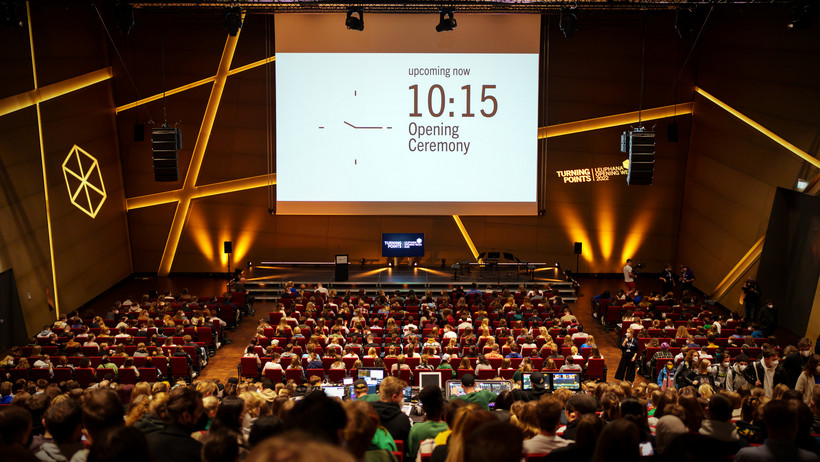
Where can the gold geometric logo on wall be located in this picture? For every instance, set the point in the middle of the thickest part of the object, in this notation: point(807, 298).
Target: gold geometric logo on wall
point(83, 179)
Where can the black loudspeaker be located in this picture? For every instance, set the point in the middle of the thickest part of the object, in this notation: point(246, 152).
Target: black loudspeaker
point(641, 148)
point(165, 142)
point(139, 132)
point(227, 247)
point(578, 247)
point(672, 132)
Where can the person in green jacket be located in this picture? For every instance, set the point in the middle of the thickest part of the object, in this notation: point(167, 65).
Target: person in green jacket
point(445, 365)
point(481, 397)
point(433, 405)
point(360, 390)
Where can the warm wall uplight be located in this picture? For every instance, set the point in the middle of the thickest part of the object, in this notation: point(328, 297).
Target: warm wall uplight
point(575, 229)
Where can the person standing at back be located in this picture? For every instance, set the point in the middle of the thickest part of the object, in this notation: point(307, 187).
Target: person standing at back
point(629, 277)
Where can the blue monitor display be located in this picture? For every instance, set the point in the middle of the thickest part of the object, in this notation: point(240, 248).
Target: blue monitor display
point(402, 244)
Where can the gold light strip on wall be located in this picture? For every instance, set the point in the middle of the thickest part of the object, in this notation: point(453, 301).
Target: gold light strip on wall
point(614, 120)
point(38, 95)
point(215, 189)
point(770, 134)
point(226, 187)
point(43, 163)
point(191, 176)
point(466, 235)
point(751, 257)
point(191, 85)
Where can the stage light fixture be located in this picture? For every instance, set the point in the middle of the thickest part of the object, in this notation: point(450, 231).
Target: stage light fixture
point(802, 184)
point(568, 22)
point(233, 20)
point(390, 263)
point(415, 264)
point(353, 21)
point(124, 17)
point(363, 263)
point(446, 20)
point(801, 19)
point(684, 22)
point(250, 264)
point(444, 263)
point(9, 16)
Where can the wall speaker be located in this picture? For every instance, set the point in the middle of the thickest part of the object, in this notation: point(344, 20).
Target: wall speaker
point(672, 132)
point(227, 247)
point(578, 247)
point(640, 145)
point(165, 142)
point(139, 132)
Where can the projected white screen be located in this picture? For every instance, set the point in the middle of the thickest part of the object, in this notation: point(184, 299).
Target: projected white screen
point(406, 133)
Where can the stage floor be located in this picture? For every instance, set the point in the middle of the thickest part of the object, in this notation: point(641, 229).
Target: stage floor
point(408, 276)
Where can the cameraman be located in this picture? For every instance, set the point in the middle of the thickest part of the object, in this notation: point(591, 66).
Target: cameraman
point(629, 277)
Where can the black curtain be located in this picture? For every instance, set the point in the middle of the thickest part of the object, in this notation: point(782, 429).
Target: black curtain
point(12, 324)
point(790, 263)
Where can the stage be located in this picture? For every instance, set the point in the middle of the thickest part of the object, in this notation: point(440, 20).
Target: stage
point(267, 281)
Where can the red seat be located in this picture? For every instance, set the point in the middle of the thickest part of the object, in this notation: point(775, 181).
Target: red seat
point(85, 376)
point(536, 457)
point(595, 369)
point(506, 374)
point(461, 372)
point(127, 376)
point(63, 374)
point(317, 372)
point(103, 372)
point(248, 368)
point(17, 374)
point(295, 375)
point(179, 368)
point(161, 363)
point(487, 374)
point(336, 375)
point(274, 375)
point(39, 373)
point(148, 374)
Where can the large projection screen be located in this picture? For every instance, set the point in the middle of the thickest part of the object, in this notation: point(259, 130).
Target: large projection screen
point(402, 120)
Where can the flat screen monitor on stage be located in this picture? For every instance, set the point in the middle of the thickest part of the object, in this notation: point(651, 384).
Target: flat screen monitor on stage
point(402, 244)
point(402, 120)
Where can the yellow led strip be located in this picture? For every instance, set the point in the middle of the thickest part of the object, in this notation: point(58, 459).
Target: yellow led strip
point(770, 134)
point(38, 95)
point(614, 120)
point(466, 235)
point(188, 86)
point(191, 176)
point(43, 163)
point(214, 189)
point(751, 257)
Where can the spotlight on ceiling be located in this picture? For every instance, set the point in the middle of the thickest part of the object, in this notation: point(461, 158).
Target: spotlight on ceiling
point(684, 22)
point(233, 20)
point(415, 264)
point(568, 22)
point(353, 21)
point(124, 17)
point(800, 16)
point(390, 263)
point(802, 184)
point(446, 20)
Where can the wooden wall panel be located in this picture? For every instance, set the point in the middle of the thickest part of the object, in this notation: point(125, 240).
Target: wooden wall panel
point(754, 64)
point(90, 255)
